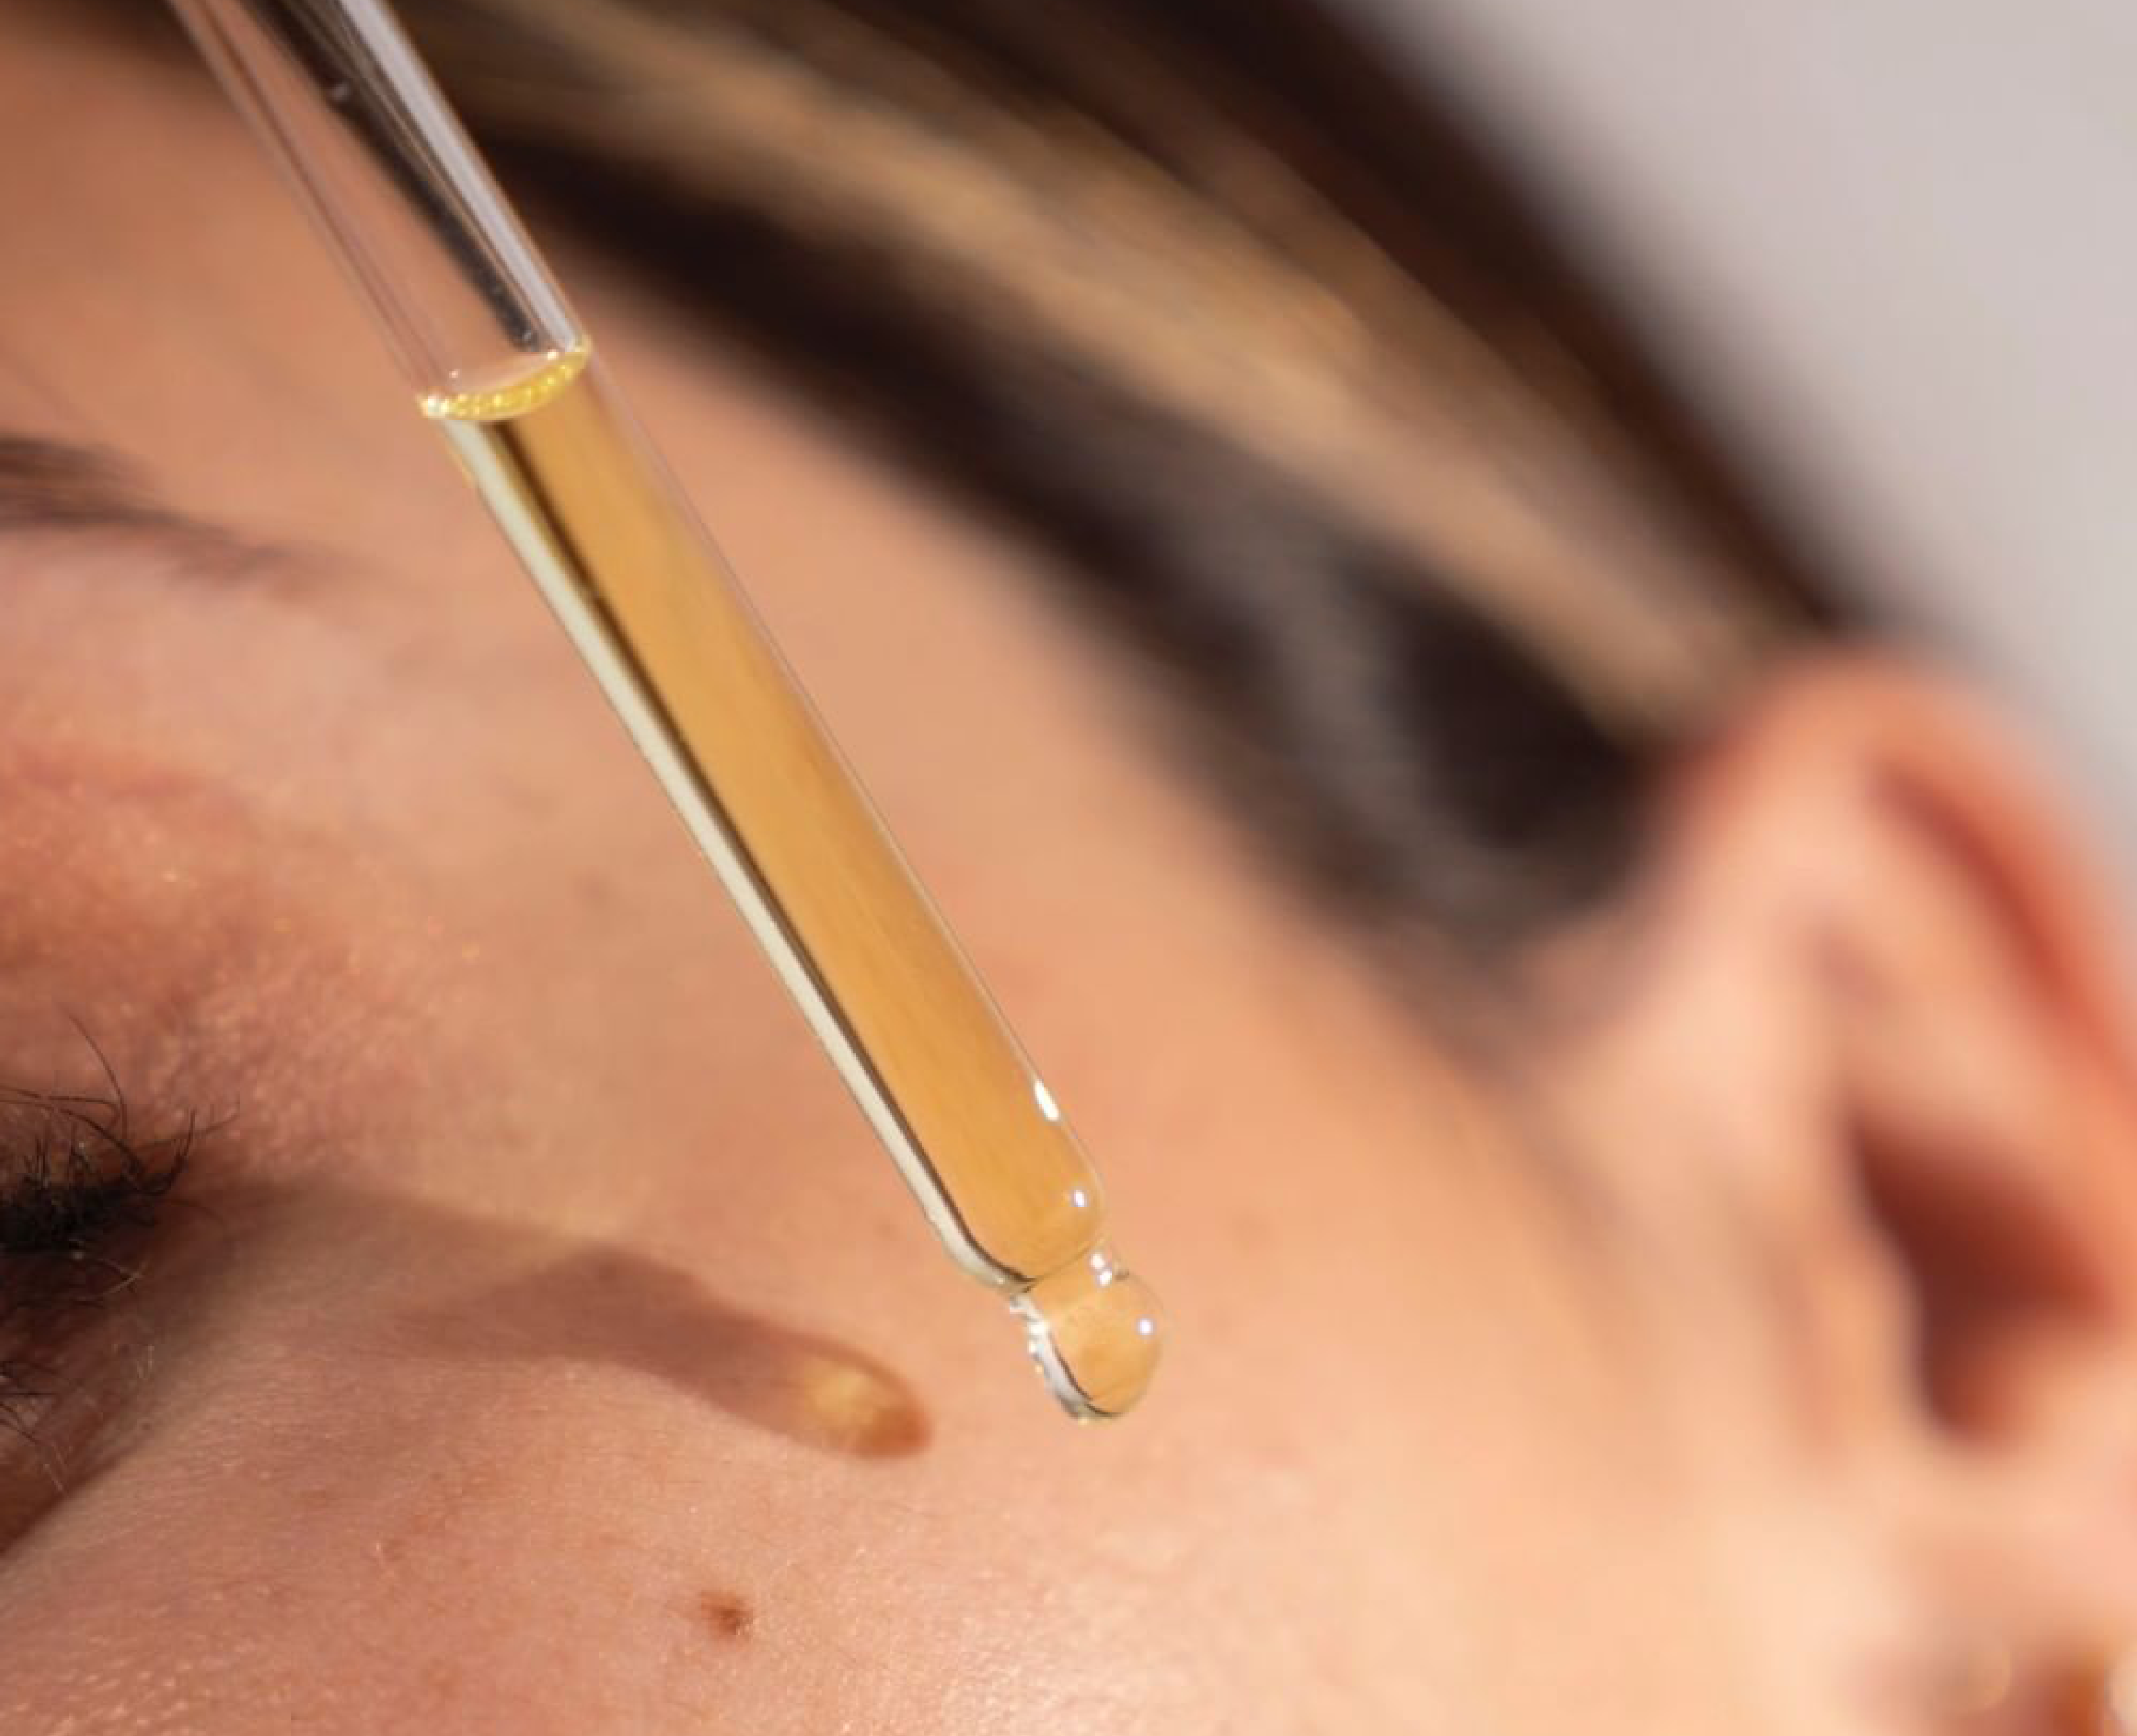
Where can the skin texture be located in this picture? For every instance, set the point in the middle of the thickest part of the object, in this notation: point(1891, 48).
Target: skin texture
point(547, 1347)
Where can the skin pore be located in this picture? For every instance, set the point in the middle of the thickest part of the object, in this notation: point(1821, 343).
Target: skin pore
point(546, 1346)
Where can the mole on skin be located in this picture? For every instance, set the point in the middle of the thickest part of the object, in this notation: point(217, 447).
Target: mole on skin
point(727, 1615)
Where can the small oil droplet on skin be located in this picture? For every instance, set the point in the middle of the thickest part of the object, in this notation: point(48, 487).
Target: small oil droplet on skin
point(1096, 1331)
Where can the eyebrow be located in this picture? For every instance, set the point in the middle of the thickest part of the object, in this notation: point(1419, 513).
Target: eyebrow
point(47, 485)
point(52, 485)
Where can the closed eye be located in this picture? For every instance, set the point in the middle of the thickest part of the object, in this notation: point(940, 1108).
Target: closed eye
point(83, 1188)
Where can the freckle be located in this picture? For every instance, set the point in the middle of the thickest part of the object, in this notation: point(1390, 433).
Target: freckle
point(729, 1616)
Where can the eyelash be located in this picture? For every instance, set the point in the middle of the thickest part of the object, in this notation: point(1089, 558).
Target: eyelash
point(78, 1188)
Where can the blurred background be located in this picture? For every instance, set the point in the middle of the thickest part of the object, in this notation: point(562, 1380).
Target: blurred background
point(1892, 245)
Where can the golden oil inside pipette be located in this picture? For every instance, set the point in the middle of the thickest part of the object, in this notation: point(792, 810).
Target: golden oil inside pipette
point(644, 594)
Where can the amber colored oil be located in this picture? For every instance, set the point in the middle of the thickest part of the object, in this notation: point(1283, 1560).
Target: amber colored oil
point(650, 605)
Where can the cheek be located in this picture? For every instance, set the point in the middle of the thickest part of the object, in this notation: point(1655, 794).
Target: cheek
point(386, 1476)
point(379, 1582)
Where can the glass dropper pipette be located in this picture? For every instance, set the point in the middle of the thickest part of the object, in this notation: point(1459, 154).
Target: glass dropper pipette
point(498, 362)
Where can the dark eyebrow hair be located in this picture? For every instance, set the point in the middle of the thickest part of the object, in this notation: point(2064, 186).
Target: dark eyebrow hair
point(48, 484)
point(54, 485)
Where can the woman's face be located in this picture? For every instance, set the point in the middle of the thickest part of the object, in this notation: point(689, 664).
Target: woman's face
point(536, 1340)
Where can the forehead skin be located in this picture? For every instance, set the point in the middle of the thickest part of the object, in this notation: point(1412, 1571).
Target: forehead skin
point(553, 1350)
